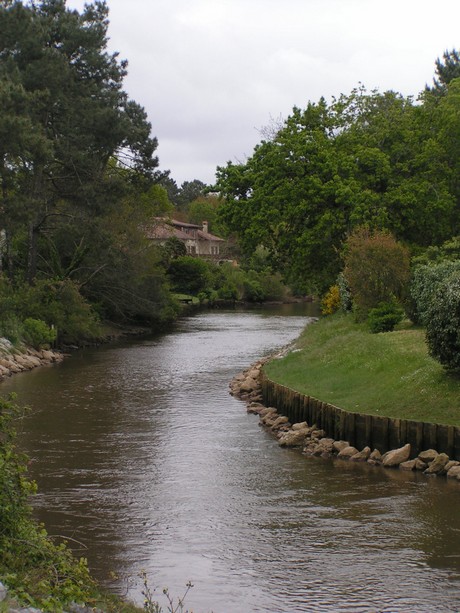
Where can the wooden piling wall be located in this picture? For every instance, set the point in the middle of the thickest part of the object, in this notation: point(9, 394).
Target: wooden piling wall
point(361, 430)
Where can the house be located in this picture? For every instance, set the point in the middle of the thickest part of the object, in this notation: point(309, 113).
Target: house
point(197, 239)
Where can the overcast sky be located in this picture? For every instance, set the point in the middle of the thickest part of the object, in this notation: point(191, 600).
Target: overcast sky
point(211, 73)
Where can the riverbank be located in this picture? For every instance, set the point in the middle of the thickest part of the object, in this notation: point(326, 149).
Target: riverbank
point(313, 440)
point(14, 360)
point(388, 374)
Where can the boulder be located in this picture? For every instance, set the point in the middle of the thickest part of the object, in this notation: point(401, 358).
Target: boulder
point(267, 410)
point(376, 456)
point(255, 408)
point(395, 457)
point(409, 465)
point(254, 373)
point(454, 472)
point(249, 385)
point(361, 456)
point(317, 433)
point(292, 438)
point(437, 465)
point(326, 444)
point(339, 445)
point(347, 452)
point(269, 419)
point(428, 455)
point(420, 464)
point(280, 421)
point(302, 425)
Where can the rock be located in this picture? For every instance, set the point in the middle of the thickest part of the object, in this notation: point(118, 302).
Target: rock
point(339, 445)
point(454, 472)
point(420, 464)
point(254, 373)
point(267, 410)
point(450, 464)
point(255, 408)
point(376, 456)
point(3, 592)
point(428, 455)
point(269, 419)
point(326, 444)
point(292, 438)
point(437, 465)
point(396, 456)
point(347, 452)
point(300, 425)
point(12, 366)
point(361, 456)
point(249, 385)
point(409, 465)
point(280, 421)
point(318, 434)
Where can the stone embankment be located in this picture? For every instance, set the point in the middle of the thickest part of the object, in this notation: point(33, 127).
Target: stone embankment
point(14, 360)
point(315, 442)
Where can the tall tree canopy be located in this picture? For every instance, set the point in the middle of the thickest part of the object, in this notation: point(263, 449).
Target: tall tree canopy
point(78, 171)
point(65, 116)
point(368, 158)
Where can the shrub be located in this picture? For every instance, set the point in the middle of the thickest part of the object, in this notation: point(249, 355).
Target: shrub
point(331, 302)
point(385, 317)
point(190, 275)
point(425, 282)
point(11, 327)
point(443, 323)
point(58, 303)
point(252, 291)
point(38, 334)
point(344, 293)
point(376, 268)
point(36, 571)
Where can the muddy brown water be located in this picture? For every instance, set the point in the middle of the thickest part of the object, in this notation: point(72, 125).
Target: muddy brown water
point(144, 461)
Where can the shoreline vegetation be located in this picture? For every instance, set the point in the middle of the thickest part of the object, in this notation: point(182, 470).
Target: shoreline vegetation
point(338, 361)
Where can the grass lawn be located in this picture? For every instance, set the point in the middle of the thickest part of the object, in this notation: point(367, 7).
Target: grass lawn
point(388, 374)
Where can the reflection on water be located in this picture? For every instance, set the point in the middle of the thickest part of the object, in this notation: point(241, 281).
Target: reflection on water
point(143, 457)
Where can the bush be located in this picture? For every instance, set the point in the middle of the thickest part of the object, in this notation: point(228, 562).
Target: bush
point(38, 334)
point(385, 317)
point(443, 323)
point(12, 328)
point(330, 304)
point(190, 275)
point(376, 268)
point(425, 282)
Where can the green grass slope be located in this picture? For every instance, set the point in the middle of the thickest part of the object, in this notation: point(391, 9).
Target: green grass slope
point(388, 374)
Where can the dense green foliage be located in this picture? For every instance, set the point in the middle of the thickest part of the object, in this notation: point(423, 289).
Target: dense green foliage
point(385, 316)
point(78, 174)
point(366, 159)
point(376, 269)
point(443, 322)
point(34, 568)
point(211, 282)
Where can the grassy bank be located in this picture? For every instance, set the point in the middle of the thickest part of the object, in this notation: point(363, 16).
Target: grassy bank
point(388, 374)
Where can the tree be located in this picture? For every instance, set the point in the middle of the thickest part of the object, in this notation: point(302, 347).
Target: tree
point(447, 69)
point(206, 208)
point(189, 191)
point(79, 117)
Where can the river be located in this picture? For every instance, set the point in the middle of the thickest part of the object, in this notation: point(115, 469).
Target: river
point(145, 461)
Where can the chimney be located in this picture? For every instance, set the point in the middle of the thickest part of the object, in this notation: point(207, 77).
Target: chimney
point(205, 227)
